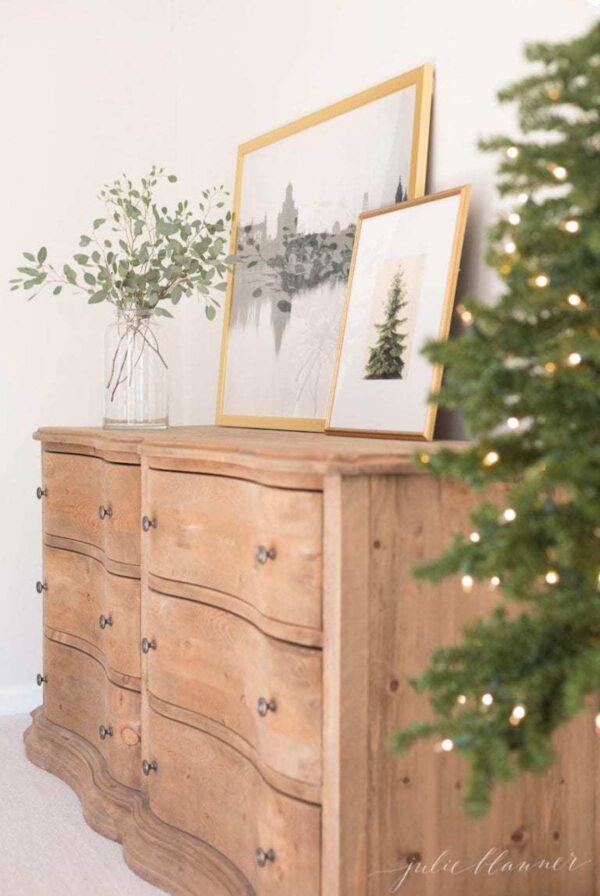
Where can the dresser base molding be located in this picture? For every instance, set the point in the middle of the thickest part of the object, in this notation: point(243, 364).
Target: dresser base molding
point(170, 859)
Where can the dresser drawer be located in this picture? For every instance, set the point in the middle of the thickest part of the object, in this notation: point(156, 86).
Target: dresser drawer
point(258, 543)
point(84, 600)
point(78, 696)
point(265, 691)
point(92, 501)
point(207, 788)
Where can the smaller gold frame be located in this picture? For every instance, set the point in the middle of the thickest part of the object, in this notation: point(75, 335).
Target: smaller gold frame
point(444, 329)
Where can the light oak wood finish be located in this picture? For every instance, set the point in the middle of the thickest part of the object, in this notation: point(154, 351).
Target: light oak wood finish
point(210, 528)
point(228, 805)
point(187, 669)
point(340, 627)
point(78, 696)
point(79, 591)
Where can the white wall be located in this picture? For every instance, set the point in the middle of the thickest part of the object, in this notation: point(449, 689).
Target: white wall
point(88, 90)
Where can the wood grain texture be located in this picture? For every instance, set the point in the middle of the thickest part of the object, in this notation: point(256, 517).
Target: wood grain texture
point(209, 528)
point(78, 696)
point(78, 486)
point(192, 667)
point(345, 686)
point(170, 859)
point(414, 799)
point(129, 570)
point(78, 592)
point(228, 805)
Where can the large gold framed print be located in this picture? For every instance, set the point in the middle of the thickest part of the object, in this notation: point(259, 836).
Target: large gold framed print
point(298, 193)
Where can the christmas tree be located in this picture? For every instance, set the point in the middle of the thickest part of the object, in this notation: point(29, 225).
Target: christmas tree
point(385, 358)
point(525, 375)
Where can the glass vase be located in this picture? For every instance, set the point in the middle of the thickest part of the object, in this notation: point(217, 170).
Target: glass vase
point(136, 394)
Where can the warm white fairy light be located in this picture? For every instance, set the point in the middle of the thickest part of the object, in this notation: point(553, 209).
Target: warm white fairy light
point(467, 583)
point(512, 152)
point(447, 745)
point(461, 699)
point(559, 172)
point(552, 577)
point(518, 714)
point(514, 218)
point(550, 367)
point(575, 300)
point(542, 280)
point(522, 198)
point(509, 515)
point(491, 458)
point(494, 581)
point(572, 226)
point(487, 699)
point(424, 458)
point(509, 247)
point(475, 537)
point(574, 359)
point(465, 315)
point(513, 423)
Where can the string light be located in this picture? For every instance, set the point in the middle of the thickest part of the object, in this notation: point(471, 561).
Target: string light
point(509, 515)
point(574, 359)
point(494, 581)
point(510, 248)
point(447, 745)
point(554, 92)
point(513, 423)
point(475, 537)
point(522, 198)
point(461, 699)
point(559, 172)
point(487, 699)
point(552, 577)
point(550, 367)
point(491, 458)
point(542, 280)
point(512, 152)
point(467, 583)
point(571, 226)
point(514, 218)
point(424, 458)
point(518, 714)
point(575, 300)
point(465, 315)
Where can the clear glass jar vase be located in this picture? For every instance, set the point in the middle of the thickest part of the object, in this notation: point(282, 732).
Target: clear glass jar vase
point(136, 382)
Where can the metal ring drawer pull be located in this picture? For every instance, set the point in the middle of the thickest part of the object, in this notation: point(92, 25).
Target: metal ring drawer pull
point(263, 857)
point(148, 524)
point(104, 621)
point(263, 554)
point(103, 512)
point(148, 767)
point(148, 645)
point(105, 731)
point(40, 586)
point(41, 492)
point(41, 679)
point(264, 706)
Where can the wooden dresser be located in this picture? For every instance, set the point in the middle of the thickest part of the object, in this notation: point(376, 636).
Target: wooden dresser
point(229, 622)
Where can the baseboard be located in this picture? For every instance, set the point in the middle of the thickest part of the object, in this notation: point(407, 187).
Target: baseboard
point(15, 699)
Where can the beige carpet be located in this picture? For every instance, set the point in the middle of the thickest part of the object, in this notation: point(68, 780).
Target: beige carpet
point(46, 848)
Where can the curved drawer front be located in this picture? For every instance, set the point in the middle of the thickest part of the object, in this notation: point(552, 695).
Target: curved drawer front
point(78, 696)
point(211, 530)
point(80, 591)
point(95, 502)
point(207, 788)
point(219, 666)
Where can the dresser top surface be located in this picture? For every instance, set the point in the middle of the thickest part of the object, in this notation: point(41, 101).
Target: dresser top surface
point(294, 451)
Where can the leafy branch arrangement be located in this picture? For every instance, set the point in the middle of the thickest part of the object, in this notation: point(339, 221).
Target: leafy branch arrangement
point(139, 256)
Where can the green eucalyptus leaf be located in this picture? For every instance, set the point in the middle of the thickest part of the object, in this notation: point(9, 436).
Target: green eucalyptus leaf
point(31, 272)
point(98, 222)
point(42, 255)
point(210, 312)
point(84, 241)
point(172, 179)
point(70, 274)
point(57, 290)
point(97, 297)
point(162, 312)
point(89, 278)
point(29, 256)
point(81, 259)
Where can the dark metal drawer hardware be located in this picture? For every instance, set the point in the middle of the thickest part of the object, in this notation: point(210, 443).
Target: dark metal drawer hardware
point(263, 857)
point(263, 554)
point(148, 524)
point(148, 645)
point(104, 621)
point(264, 706)
point(41, 679)
point(148, 767)
point(41, 492)
point(105, 731)
point(103, 512)
point(40, 586)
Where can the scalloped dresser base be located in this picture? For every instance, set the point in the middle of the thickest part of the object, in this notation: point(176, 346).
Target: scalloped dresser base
point(170, 859)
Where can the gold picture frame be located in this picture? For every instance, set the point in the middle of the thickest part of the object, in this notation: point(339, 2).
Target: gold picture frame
point(422, 80)
point(441, 333)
